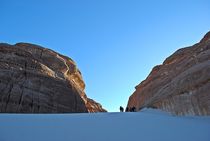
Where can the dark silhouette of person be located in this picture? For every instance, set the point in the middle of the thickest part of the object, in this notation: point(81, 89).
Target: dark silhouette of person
point(127, 109)
point(133, 109)
point(121, 109)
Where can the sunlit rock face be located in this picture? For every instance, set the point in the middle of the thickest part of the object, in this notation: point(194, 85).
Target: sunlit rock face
point(34, 79)
point(93, 106)
point(181, 85)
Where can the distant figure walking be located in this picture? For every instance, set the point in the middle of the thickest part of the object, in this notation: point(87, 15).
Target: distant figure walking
point(121, 109)
point(133, 109)
point(127, 109)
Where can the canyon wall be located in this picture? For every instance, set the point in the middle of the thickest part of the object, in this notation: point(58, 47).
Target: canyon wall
point(34, 79)
point(181, 85)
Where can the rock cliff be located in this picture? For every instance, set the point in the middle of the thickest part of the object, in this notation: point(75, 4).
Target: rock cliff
point(180, 85)
point(34, 79)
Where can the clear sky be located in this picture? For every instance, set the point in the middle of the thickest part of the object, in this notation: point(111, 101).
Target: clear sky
point(115, 43)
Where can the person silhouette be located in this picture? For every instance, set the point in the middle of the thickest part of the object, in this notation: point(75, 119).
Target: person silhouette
point(133, 109)
point(121, 109)
point(127, 109)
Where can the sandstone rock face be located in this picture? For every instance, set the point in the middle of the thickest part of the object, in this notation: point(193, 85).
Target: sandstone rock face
point(34, 79)
point(93, 106)
point(181, 85)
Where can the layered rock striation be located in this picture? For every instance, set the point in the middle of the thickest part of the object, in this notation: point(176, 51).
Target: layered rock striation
point(180, 85)
point(34, 79)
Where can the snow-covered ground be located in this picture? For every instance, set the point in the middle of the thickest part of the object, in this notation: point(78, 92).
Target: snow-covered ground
point(148, 125)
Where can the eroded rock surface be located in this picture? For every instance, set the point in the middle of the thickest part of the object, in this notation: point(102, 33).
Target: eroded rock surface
point(34, 79)
point(181, 85)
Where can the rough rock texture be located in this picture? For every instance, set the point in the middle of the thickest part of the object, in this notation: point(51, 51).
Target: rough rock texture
point(34, 79)
point(181, 85)
point(93, 106)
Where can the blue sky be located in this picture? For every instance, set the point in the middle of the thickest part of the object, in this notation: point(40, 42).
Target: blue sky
point(115, 43)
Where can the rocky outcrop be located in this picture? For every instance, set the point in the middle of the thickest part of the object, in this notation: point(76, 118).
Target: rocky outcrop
point(93, 106)
point(180, 85)
point(34, 79)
